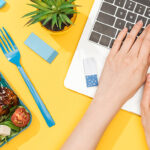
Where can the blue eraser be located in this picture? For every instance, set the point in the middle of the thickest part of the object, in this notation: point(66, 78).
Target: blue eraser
point(41, 48)
point(2, 3)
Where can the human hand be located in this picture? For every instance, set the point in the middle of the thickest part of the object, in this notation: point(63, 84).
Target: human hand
point(126, 66)
point(145, 110)
point(124, 72)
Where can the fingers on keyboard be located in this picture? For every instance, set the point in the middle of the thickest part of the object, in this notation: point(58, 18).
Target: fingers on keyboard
point(114, 15)
point(145, 51)
point(118, 42)
point(137, 45)
point(129, 26)
point(131, 37)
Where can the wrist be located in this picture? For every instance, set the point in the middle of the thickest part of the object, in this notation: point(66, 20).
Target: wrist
point(109, 105)
point(108, 97)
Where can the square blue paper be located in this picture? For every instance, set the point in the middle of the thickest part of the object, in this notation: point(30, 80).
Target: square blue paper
point(91, 80)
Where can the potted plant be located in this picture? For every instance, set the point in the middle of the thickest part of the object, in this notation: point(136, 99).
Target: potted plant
point(55, 15)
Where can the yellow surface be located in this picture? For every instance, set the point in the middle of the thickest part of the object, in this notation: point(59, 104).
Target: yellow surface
point(67, 107)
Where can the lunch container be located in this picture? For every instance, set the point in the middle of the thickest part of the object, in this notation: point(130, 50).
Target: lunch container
point(4, 83)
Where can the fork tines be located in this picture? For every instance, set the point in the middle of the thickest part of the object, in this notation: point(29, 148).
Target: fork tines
point(6, 42)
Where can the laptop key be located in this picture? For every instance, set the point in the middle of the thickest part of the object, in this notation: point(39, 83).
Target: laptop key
point(120, 3)
point(144, 2)
point(118, 33)
point(105, 40)
point(108, 8)
point(140, 31)
point(104, 29)
point(111, 43)
point(109, 1)
point(95, 37)
point(148, 22)
point(147, 13)
point(143, 19)
point(130, 5)
point(129, 26)
point(131, 17)
point(121, 13)
point(140, 9)
point(120, 24)
point(107, 19)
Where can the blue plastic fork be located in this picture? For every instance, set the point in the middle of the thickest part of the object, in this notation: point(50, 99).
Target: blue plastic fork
point(12, 53)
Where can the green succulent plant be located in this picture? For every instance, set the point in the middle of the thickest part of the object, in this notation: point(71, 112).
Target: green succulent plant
point(56, 12)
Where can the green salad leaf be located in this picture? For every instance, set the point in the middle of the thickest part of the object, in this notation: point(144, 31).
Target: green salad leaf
point(4, 117)
point(10, 125)
point(14, 131)
point(6, 120)
point(3, 139)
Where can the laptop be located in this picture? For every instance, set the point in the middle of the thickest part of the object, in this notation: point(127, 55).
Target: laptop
point(107, 18)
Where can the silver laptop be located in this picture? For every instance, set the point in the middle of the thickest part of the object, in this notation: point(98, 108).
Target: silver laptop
point(107, 18)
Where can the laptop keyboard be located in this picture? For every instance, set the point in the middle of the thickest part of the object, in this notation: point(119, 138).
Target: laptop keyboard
point(114, 15)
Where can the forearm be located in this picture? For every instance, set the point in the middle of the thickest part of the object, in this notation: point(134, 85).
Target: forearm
point(90, 129)
point(145, 110)
point(124, 72)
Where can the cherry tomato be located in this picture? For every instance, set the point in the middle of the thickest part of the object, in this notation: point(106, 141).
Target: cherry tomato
point(20, 117)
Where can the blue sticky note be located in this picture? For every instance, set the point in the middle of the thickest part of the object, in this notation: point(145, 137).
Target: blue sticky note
point(91, 80)
point(41, 48)
point(2, 3)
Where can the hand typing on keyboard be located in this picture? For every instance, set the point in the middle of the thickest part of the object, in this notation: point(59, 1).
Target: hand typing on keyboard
point(127, 64)
point(124, 72)
point(114, 15)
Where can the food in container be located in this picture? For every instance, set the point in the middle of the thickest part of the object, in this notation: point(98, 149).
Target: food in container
point(14, 115)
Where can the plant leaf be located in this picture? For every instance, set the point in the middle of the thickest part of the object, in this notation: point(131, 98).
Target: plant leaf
point(69, 11)
point(54, 20)
point(38, 7)
point(64, 6)
point(47, 19)
point(62, 19)
point(59, 23)
point(66, 19)
point(33, 21)
point(58, 3)
point(40, 15)
point(40, 3)
point(32, 13)
point(50, 2)
point(71, 1)
point(56, 11)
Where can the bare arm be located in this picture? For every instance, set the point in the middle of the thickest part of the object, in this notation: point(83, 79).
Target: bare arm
point(145, 110)
point(124, 72)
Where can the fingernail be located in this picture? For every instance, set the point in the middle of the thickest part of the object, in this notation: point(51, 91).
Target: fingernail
point(140, 22)
point(125, 29)
point(148, 78)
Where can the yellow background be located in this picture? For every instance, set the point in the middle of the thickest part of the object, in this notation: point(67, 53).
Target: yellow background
point(67, 107)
